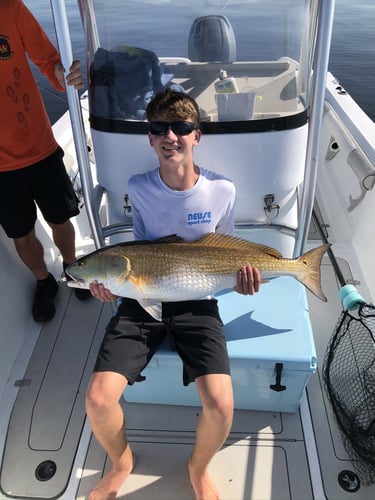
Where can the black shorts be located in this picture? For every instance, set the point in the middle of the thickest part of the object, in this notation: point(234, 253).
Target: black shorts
point(46, 184)
point(194, 327)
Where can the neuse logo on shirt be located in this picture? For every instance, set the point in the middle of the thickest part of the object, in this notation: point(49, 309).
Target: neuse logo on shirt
point(198, 218)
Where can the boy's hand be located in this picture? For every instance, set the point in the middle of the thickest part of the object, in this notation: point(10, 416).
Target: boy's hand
point(101, 293)
point(248, 280)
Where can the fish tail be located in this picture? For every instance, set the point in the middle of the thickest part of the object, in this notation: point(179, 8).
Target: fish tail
point(310, 276)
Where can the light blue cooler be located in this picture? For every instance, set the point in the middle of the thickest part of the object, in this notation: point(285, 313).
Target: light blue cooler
point(271, 350)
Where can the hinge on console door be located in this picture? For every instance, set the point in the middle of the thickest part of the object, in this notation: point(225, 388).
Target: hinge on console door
point(271, 209)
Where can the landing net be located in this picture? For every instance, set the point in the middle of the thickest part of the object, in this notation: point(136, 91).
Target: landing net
point(349, 379)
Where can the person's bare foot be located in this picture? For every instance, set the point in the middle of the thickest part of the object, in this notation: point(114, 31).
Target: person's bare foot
point(203, 486)
point(110, 484)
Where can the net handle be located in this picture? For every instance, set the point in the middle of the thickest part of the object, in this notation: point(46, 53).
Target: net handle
point(348, 294)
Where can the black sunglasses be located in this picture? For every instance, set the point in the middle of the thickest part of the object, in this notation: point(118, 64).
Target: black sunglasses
point(178, 128)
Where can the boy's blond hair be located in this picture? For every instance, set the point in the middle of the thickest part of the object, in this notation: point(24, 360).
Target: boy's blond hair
point(173, 105)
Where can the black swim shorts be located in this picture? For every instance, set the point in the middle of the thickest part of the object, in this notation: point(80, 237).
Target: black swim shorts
point(46, 184)
point(194, 328)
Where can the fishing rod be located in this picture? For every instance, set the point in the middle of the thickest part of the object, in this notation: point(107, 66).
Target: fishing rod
point(348, 294)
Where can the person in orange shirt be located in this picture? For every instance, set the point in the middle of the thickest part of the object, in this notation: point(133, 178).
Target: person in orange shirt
point(32, 170)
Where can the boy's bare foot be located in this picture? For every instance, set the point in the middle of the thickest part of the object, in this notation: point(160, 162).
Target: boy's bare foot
point(110, 484)
point(203, 486)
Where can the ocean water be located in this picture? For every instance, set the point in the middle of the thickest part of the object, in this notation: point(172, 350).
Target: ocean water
point(352, 58)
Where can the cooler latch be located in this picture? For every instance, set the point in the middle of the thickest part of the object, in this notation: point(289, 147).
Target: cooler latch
point(277, 386)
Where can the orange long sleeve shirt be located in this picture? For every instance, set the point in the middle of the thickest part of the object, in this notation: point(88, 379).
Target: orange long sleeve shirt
point(26, 136)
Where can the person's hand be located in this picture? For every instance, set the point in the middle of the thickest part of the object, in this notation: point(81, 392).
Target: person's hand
point(101, 293)
point(73, 78)
point(248, 280)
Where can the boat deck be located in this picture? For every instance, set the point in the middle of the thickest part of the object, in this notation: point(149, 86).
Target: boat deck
point(268, 455)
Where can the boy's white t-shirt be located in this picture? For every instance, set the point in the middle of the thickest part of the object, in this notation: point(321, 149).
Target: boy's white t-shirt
point(160, 211)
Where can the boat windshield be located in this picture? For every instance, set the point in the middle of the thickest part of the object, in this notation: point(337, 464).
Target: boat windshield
point(243, 61)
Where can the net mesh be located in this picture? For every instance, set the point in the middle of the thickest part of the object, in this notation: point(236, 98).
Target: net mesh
point(349, 380)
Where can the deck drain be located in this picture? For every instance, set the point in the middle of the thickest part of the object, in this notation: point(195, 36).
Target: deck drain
point(349, 481)
point(45, 470)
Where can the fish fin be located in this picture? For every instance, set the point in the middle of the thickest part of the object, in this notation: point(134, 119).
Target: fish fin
point(152, 307)
point(225, 241)
point(140, 283)
point(311, 276)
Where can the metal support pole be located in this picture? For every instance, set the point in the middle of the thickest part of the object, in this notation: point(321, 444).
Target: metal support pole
point(323, 43)
point(79, 135)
